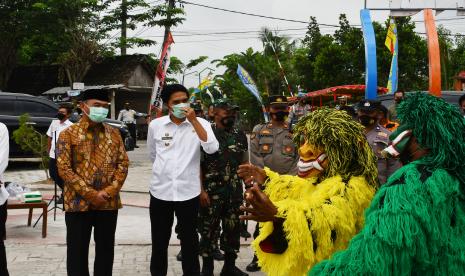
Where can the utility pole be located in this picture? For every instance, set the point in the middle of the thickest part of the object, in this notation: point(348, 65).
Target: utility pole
point(124, 23)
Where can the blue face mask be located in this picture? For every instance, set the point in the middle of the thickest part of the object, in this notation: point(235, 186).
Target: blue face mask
point(178, 110)
point(97, 114)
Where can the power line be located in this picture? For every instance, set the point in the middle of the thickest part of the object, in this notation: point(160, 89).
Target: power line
point(253, 14)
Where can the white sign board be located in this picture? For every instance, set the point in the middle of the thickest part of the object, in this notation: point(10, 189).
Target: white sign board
point(78, 86)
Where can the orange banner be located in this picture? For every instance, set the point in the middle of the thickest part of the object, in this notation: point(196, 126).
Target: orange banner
point(433, 54)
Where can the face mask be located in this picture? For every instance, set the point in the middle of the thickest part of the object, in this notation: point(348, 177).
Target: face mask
point(366, 120)
point(61, 116)
point(398, 100)
point(280, 115)
point(228, 122)
point(305, 167)
point(178, 111)
point(97, 114)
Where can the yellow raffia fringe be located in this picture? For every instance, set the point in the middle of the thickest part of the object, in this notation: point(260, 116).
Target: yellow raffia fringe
point(330, 208)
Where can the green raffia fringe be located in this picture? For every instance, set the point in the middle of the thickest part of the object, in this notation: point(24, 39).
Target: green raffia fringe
point(439, 127)
point(412, 227)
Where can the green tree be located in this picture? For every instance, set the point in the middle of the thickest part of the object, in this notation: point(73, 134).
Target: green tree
point(31, 140)
point(123, 15)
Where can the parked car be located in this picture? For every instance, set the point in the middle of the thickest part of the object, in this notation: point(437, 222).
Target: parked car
point(41, 112)
point(451, 97)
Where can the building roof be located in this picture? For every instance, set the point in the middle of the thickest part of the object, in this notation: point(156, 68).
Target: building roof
point(37, 79)
point(64, 89)
point(117, 69)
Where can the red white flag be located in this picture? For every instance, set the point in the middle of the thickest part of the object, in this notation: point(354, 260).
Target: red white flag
point(156, 102)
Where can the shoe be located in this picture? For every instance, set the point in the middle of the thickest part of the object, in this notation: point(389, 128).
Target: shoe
point(245, 234)
point(207, 266)
point(136, 147)
point(232, 271)
point(179, 256)
point(253, 266)
point(217, 255)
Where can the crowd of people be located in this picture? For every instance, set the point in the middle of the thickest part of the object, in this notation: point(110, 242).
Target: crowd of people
point(335, 191)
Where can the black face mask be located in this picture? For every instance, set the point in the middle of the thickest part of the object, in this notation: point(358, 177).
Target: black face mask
point(228, 122)
point(280, 115)
point(61, 116)
point(366, 120)
point(398, 100)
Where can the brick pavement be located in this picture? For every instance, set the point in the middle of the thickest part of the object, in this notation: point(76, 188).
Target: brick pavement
point(29, 254)
point(130, 260)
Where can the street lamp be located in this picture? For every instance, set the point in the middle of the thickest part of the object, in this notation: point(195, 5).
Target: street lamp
point(184, 75)
point(207, 68)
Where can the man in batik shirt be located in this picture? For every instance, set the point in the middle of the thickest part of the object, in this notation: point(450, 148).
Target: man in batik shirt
point(93, 163)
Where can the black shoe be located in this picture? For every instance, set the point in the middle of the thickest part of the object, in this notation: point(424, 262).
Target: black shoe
point(179, 256)
point(253, 266)
point(232, 271)
point(136, 147)
point(217, 255)
point(245, 234)
point(207, 266)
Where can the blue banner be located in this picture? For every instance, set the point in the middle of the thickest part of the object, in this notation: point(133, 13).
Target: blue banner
point(371, 73)
point(248, 82)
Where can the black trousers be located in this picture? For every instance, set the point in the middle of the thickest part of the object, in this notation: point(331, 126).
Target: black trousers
point(3, 264)
point(53, 170)
point(161, 218)
point(78, 231)
point(132, 131)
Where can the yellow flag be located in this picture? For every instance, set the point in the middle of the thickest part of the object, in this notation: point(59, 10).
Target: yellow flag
point(205, 82)
point(391, 37)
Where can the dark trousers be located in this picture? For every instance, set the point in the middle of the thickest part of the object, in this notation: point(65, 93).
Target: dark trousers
point(78, 231)
point(132, 131)
point(161, 218)
point(53, 170)
point(3, 264)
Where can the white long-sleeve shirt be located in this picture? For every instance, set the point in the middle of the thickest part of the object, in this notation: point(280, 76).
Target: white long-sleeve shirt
point(175, 153)
point(4, 153)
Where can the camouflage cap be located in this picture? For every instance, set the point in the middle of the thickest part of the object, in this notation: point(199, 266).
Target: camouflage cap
point(225, 104)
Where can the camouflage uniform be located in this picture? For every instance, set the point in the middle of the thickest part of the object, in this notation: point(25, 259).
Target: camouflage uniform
point(378, 138)
point(225, 190)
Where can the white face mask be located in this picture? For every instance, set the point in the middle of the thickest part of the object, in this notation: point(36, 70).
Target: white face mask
point(306, 166)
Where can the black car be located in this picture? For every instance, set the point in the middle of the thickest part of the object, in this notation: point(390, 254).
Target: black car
point(41, 112)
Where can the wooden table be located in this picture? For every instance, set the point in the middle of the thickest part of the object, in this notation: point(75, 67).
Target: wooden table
point(15, 204)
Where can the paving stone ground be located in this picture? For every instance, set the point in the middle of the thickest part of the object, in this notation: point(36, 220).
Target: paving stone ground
point(30, 255)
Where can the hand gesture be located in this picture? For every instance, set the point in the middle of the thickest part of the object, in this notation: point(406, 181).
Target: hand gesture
point(261, 208)
point(251, 173)
point(190, 114)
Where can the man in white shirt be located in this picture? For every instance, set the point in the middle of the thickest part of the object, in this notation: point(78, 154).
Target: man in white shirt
point(174, 143)
point(4, 151)
point(129, 116)
point(53, 132)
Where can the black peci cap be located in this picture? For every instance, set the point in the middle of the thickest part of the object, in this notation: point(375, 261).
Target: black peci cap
point(95, 94)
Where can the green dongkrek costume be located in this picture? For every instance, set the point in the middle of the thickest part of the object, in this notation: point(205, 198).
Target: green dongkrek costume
point(416, 222)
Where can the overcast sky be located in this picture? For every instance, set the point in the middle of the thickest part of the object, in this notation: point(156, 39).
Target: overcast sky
point(200, 20)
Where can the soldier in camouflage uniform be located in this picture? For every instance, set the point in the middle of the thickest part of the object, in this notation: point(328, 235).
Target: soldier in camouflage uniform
point(271, 146)
point(377, 136)
point(222, 191)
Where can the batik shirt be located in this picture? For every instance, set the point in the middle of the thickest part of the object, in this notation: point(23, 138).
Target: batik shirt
point(91, 159)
